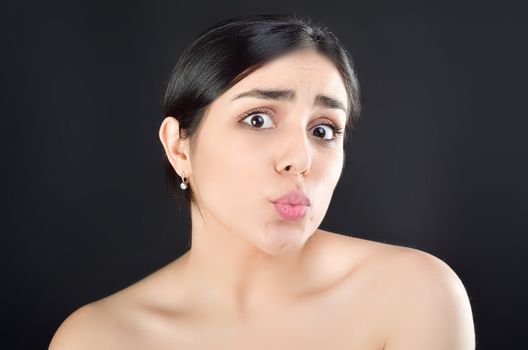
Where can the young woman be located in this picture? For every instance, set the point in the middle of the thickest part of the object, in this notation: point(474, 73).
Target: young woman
point(256, 116)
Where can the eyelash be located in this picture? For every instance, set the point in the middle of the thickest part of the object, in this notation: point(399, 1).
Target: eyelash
point(336, 130)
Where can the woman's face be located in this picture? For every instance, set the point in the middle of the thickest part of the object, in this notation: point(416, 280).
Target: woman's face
point(253, 147)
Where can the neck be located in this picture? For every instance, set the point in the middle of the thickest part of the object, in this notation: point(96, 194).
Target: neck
point(225, 271)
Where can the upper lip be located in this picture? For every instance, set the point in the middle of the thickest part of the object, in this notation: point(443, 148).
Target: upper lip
point(294, 198)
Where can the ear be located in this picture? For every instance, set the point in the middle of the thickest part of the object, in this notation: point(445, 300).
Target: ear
point(176, 148)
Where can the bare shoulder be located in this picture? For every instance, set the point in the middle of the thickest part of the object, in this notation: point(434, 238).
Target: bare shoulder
point(398, 264)
point(114, 322)
point(86, 328)
point(436, 303)
point(122, 320)
point(427, 302)
point(419, 274)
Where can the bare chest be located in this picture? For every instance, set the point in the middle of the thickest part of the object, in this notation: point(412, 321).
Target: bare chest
point(310, 326)
point(289, 333)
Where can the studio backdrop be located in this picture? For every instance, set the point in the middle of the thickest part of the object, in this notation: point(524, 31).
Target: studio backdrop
point(437, 162)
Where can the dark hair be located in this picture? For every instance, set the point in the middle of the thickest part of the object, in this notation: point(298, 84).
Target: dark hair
point(227, 52)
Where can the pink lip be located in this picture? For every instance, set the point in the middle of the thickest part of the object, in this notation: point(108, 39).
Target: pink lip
point(294, 198)
point(293, 205)
point(291, 212)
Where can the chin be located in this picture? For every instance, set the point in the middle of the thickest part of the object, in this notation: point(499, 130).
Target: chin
point(282, 241)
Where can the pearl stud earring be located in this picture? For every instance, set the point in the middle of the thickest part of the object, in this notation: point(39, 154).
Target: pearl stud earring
point(184, 183)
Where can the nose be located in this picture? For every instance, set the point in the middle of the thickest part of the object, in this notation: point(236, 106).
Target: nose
point(295, 157)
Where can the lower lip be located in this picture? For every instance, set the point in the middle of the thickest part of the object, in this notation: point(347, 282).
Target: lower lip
point(291, 212)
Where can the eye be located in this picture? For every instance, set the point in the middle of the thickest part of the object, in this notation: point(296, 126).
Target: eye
point(258, 119)
point(327, 131)
point(261, 119)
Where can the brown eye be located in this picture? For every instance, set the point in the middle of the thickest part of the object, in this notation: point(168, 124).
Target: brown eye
point(324, 131)
point(258, 119)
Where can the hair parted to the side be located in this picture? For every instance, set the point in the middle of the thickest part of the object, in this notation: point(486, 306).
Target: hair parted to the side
point(230, 50)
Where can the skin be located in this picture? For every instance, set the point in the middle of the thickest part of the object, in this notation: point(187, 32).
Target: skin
point(253, 280)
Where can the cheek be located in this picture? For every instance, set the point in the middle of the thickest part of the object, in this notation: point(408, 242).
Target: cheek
point(229, 171)
point(326, 176)
point(337, 167)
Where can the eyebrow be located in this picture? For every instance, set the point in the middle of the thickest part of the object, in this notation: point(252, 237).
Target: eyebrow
point(289, 95)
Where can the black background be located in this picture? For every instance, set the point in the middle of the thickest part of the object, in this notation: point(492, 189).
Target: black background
point(437, 162)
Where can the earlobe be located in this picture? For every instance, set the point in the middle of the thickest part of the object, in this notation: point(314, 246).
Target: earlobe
point(175, 147)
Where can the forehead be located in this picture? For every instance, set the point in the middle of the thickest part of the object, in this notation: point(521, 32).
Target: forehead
point(307, 72)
